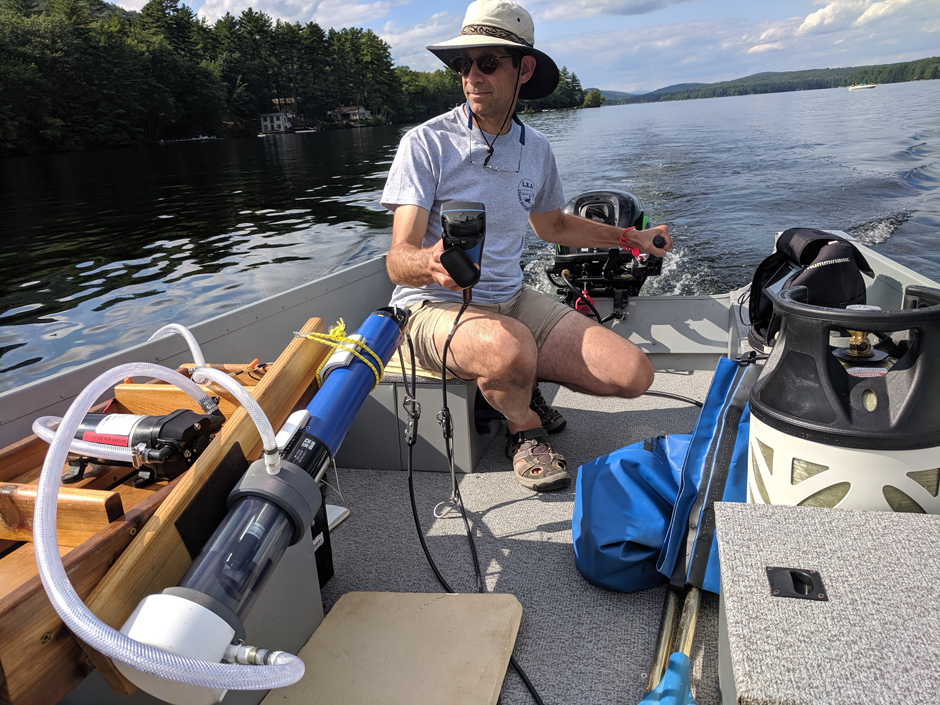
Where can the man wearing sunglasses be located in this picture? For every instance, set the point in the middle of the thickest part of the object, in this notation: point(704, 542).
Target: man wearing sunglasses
point(511, 337)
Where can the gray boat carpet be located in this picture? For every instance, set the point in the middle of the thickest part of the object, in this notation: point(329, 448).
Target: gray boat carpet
point(578, 643)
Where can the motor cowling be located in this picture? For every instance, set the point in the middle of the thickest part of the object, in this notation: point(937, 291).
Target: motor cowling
point(611, 273)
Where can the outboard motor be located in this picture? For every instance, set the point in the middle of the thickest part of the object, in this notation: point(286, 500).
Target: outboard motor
point(846, 411)
point(590, 272)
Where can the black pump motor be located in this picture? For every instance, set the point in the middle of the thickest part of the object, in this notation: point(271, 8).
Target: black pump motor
point(604, 273)
point(164, 446)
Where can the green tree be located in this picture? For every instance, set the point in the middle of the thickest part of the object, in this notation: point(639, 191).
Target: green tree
point(593, 99)
point(24, 8)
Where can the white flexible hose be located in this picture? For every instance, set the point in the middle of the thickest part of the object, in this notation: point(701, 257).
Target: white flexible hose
point(203, 374)
point(44, 426)
point(272, 459)
point(287, 668)
point(198, 358)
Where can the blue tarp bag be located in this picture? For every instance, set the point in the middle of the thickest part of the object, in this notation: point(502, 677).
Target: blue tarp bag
point(623, 502)
point(639, 509)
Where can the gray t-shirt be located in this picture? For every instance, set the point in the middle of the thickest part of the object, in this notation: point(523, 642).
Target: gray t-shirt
point(433, 166)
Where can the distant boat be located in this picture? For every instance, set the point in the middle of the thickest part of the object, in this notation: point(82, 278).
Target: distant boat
point(861, 86)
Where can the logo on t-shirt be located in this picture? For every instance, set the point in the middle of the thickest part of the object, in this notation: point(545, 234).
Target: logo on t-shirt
point(526, 193)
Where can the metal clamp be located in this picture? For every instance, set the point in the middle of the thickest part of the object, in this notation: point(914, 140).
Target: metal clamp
point(413, 409)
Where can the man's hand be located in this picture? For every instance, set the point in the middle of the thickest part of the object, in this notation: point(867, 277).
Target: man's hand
point(438, 273)
point(643, 240)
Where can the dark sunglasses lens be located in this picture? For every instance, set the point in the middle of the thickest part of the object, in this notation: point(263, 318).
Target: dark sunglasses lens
point(462, 65)
point(488, 63)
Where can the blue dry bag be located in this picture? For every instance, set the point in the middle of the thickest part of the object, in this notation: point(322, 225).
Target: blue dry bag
point(640, 511)
point(623, 502)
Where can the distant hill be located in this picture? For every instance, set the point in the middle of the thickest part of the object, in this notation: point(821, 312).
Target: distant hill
point(618, 98)
point(676, 87)
point(614, 95)
point(783, 81)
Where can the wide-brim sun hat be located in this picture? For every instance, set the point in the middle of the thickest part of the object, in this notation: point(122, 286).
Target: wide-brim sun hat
point(491, 23)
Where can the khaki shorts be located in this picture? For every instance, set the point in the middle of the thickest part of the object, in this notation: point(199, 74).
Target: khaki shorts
point(537, 311)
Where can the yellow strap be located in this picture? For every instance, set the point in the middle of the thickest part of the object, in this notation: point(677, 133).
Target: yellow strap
point(336, 338)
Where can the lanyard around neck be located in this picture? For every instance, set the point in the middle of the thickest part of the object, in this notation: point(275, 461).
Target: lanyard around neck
point(515, 119)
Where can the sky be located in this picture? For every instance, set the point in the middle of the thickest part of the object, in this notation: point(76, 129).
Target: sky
point(642, 45)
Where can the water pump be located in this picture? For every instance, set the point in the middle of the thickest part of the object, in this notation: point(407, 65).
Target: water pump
point(163, 446)
point(203, 615)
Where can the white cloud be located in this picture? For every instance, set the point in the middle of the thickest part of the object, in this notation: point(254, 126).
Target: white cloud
point(327, 13)
point(880, 9)
point(408, 43)
point(760, 48)
point(721, 49)
point(579, 9)
point(834, 16)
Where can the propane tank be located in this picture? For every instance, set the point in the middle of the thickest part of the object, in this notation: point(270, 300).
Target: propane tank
point(851, 425)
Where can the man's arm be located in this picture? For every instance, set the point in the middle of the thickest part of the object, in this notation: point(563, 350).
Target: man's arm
point(407, 262)
point(573, 231)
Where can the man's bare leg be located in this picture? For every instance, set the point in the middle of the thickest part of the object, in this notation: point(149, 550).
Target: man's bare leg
point(501, 355)
point(587, 357)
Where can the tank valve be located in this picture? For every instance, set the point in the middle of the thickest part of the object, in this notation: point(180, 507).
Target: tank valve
point(859, 346)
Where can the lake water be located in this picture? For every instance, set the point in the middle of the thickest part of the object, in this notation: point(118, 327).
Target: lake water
point(101, 248)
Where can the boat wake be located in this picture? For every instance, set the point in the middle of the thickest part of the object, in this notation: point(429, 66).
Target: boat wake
point(878, 231)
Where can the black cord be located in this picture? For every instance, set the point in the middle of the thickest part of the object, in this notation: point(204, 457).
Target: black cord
point(746, 294)
point(552, 280)
point(481, 585)
point(490, 145)
point(678, 397)
point(577, 291)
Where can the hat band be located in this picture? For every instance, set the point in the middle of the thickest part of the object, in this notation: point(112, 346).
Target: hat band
point(494, 32)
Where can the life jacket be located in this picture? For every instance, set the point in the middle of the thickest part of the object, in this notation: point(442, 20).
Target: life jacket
point(829, 266)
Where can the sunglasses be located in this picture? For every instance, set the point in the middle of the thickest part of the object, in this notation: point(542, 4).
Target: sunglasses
point(487, 63)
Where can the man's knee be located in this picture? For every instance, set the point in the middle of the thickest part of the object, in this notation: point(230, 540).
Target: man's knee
point(637, 378)
point(511, 348)
point(499, 348)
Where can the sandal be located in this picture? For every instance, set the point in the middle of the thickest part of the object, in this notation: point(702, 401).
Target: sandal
point(534, 463)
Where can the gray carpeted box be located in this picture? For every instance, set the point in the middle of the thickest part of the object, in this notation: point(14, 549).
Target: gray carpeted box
point(876, 638)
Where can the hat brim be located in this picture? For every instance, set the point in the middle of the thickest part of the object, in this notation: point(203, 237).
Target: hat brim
point(544, 80)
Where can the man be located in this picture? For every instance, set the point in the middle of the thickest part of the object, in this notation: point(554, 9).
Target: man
point(510, 337)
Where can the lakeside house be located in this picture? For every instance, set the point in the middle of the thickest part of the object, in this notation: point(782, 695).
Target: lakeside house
point(350, 113)
point(274, 122)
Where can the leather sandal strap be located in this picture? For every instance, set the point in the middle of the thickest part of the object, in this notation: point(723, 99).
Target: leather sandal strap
point(531, 434)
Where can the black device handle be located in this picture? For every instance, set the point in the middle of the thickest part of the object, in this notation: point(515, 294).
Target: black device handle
point(459, 267)
point(463, 229)
point(659, 241)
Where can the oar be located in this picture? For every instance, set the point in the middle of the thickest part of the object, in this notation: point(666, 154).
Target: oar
point(674, 688)
point(667, 628)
